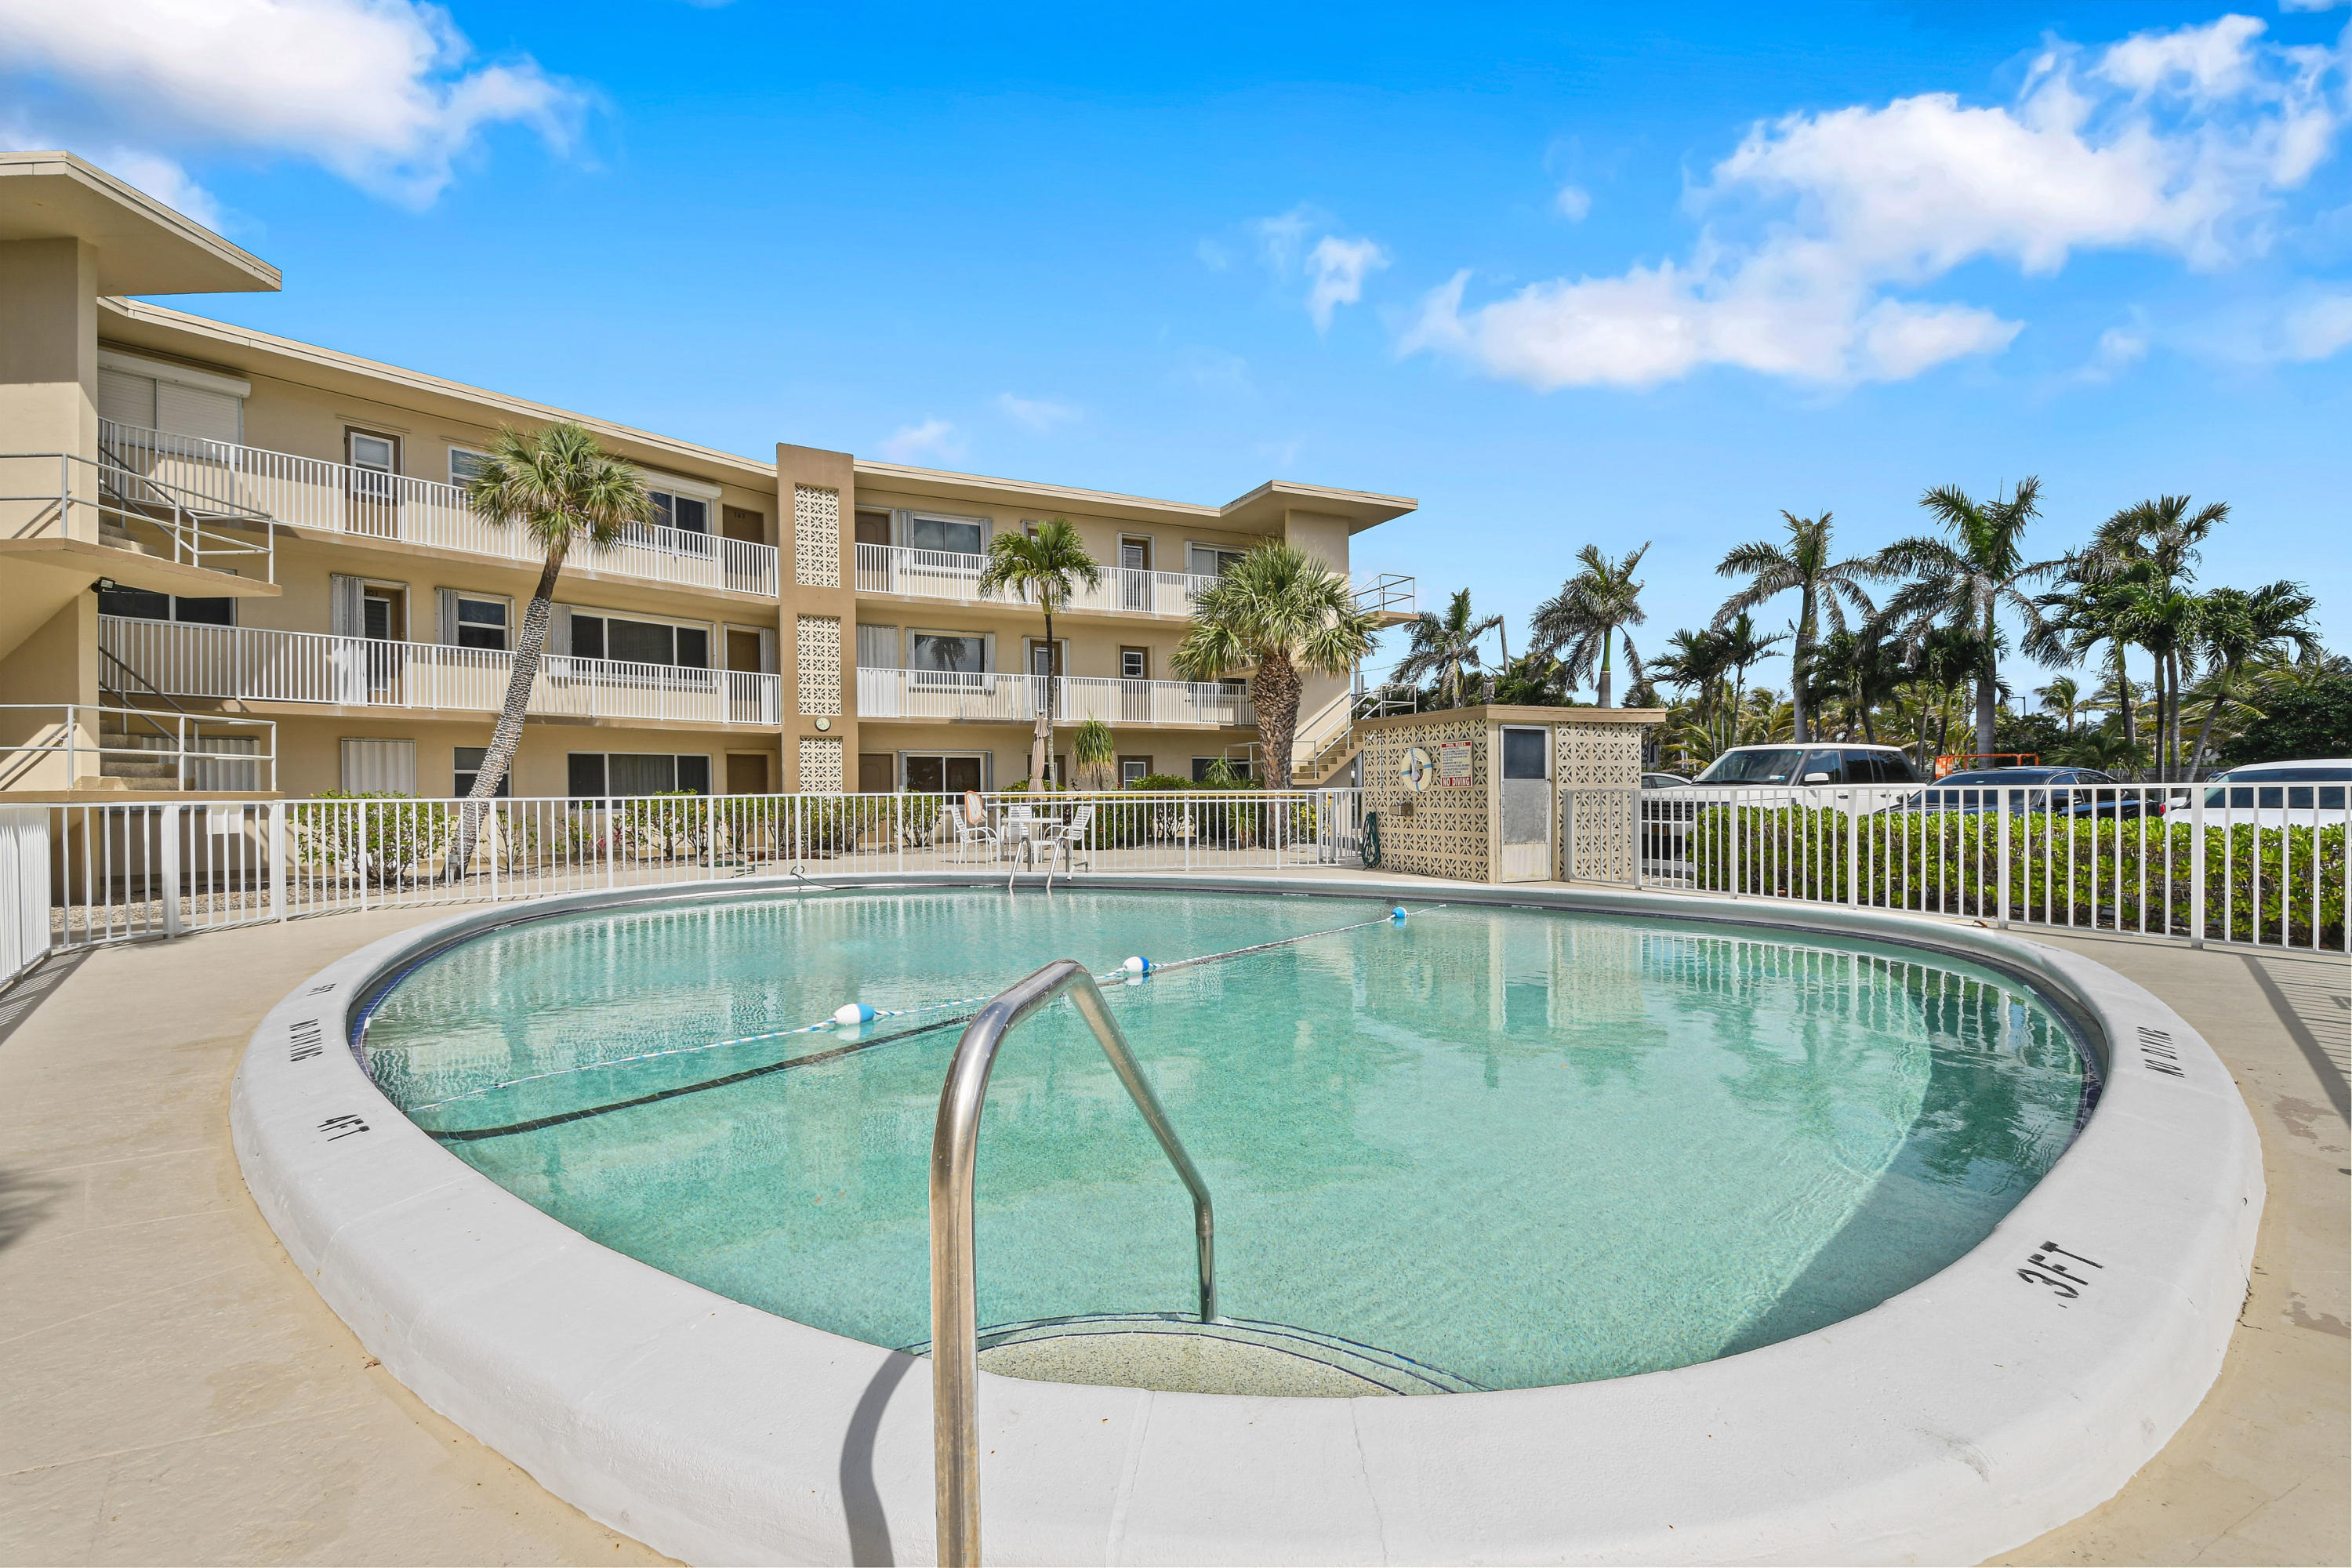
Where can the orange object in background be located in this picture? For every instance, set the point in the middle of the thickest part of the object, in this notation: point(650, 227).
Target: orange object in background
point(1994, 759)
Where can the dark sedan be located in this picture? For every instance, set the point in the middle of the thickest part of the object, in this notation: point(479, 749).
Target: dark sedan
point(2074, 792)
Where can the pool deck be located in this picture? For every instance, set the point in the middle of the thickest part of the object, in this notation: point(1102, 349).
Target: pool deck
point(172, 1391)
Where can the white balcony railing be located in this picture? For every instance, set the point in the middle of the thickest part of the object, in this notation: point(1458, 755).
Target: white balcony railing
point(185, 660)
point(364, 503)
point(955, 577)
point(1007, 698)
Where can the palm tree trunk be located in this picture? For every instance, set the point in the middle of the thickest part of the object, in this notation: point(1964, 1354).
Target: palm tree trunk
point(2213, 711)
point(1987, 689)
point(1273, 692)
point(1797, 665)
point(1040, 742)
point(1607, 644)
point(524, 674)
point(2124, 694)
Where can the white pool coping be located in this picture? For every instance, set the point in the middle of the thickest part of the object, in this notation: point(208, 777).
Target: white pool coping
point(1957, 1420)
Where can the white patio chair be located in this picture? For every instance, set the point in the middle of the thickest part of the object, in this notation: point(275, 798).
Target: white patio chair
point(1066, 838)
point(971, 830)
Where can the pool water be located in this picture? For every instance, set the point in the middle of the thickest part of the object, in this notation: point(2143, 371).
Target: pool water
point(1522, 1146)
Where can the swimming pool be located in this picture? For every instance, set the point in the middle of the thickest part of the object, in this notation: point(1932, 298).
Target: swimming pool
point(1482, 1148)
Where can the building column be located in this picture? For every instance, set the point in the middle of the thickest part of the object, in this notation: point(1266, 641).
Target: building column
point(817, 632)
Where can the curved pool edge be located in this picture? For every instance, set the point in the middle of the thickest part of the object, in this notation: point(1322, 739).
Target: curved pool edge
point(1958, 1419)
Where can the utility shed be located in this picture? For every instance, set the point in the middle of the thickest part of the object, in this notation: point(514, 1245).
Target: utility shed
point(1506, 795)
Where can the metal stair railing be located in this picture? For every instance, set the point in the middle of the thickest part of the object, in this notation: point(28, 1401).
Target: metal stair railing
point(955, 1316)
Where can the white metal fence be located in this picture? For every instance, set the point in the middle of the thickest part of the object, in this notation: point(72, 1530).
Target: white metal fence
point(2255, 863)
point(337, 498)
point(184, 659)
point(80, 875)
point(1008, 697)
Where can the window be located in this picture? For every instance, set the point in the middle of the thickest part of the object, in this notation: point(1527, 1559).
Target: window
point(878, 648)
point(379, 767)
point(1523, 753)
point(947, 775)
point(1135, 664)
point(1776, 765)
point(958, 535)
point(1200, 766)
point(688, 514)
point(1038, 662)
point(377, 454)
point(1134, 554)
point(463, 464)
point(638, 772)
point(139, 604)
point(873, 528)
point(955, 653)
point(1877, 767)
point(469, 769)
point(1209, 559)
point(1133, 771)
point(153, 394)
point(481, 623)
point(640, 642)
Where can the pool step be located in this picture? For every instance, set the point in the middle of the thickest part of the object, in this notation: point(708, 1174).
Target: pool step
point(1173, 1353)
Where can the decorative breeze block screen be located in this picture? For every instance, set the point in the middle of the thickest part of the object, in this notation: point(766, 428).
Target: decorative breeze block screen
point(818, 643)
point(820, 766)
point(816, 537)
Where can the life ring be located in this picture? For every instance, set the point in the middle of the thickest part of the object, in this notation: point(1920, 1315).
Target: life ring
point(1416, 769)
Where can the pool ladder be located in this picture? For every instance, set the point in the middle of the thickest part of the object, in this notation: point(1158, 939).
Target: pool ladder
point(955, 1320)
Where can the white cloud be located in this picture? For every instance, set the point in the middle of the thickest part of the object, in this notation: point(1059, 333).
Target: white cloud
point(2319, 330)
point(2119, 349)
point(931, 439)
point(1337, 267)
point(1038, 413)
point(2311, 4)
point(379, 91)
point(1212, 256)
point(2178, 141)
point(1574, 203)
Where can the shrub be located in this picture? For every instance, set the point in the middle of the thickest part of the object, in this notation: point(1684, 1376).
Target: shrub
point(385, 842)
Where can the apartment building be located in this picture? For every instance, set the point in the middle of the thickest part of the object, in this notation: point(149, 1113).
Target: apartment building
point(229, 561)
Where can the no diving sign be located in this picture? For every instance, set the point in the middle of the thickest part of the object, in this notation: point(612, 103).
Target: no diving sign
point(1453, 765)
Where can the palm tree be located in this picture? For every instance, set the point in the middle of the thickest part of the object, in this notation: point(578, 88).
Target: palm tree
point(1967, 579)
point(2237, 628)
point(1282, 611)
point(563, 488)
point(1824, 588)
point(1589, 615)
point(1861, 669)
point(2164, 618)
point(2064, 697)
point(1095, 752)
point(1045, 566)
point(1744, 646)
point(2078, 614)
point(1445, 646)
point(2149, 551)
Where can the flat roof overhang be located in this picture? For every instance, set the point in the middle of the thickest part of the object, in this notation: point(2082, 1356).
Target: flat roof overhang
point(142, 246)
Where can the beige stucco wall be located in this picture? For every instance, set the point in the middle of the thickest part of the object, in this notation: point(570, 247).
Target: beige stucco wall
point(310, 749)
point(1170, 751)
point(48, 350)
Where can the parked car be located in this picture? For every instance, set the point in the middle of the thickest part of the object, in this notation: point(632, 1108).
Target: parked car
point(2300, 793)
point(1803, 765)
point(2075, 792)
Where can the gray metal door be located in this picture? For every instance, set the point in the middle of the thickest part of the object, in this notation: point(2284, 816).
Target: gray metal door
point(1527, 806)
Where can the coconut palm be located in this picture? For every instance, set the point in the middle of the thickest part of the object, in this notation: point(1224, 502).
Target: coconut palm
point(1967, 579)
point(2237, 628)
point(2149, 551)
point(1859, 669)
point(1276, 611)
point(561, 488)
point(1824, 588)
point(2167, 620)
point(1446, 648)
point(2078, 614)
point(1589, 616)
point(1045, 566)
point(1744, 646)
point(2064, 697)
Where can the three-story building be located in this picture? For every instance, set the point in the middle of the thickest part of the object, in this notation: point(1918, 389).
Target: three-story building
point(236, 561)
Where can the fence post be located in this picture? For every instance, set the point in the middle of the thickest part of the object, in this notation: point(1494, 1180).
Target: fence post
point(612, 846)
point(1854, 849)
point(2001, 919)
point(277, 859)
point(2196, 872)
point(170, 830)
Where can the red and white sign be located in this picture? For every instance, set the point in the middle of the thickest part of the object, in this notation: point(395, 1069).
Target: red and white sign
point(1453, 765)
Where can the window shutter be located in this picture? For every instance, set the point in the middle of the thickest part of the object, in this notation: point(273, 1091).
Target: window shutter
point(878, 648)
point(127, 399)
point(988, 652)
point(196, 410)
point(767, 650)
point(444, 617)
point(379, 767)
point(344, 614)
point(558, 630)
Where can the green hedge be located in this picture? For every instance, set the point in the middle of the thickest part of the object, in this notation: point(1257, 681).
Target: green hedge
point(2106, 872)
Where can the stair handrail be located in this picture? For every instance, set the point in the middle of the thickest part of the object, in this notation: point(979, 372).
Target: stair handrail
point(955, 1146)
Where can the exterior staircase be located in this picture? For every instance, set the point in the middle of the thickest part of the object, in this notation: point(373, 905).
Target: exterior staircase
point(1329, 739)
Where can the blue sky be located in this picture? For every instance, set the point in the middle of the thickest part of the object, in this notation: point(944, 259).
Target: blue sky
point(1577, 274)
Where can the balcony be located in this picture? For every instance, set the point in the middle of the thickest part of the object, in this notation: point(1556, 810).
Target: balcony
point(178, 659)
point(955, 578)
point(1011, 699)
point(365, 504)
point(57, 496)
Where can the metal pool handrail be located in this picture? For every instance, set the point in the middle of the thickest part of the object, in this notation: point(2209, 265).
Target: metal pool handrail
point(955, 1322)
